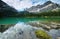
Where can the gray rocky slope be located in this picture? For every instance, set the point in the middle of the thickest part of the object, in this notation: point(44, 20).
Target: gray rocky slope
point(45, 7)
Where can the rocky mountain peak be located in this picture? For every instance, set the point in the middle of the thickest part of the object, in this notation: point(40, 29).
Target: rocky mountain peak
point(49, 5)
point(48, 2)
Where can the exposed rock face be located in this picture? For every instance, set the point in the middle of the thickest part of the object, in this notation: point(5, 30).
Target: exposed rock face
point(19, 31)
point(45, 7)
point(52, 27)
point(55, 34)
point(45, 26)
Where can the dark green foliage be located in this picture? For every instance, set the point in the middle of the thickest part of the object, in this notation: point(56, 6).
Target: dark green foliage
point(49, 13)
point(6, 13)
point(11, 13)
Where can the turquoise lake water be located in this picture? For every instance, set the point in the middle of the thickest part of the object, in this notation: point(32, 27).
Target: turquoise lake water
point(14, 20)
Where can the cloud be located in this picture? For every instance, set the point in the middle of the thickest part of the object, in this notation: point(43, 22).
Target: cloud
point(56, 1)
point(22, 4)
point(40, 2)
point(19, 4)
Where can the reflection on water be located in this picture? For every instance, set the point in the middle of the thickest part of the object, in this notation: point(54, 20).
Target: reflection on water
point(14, 20)
point(24, 31)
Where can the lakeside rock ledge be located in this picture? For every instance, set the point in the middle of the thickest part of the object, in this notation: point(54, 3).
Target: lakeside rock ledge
point(45, 25)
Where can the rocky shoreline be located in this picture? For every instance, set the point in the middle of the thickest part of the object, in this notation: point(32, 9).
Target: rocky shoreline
point(45, 25)
point(29, 28)
point(53, 28)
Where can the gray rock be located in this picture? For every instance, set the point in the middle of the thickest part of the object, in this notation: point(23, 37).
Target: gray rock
point(48, 6)
point(19, 31)
point(58, 38)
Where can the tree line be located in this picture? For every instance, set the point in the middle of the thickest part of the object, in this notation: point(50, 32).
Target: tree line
point(10, 13)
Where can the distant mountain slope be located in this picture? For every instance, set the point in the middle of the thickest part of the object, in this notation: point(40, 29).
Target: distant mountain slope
point(45, 7)
point(6, 10)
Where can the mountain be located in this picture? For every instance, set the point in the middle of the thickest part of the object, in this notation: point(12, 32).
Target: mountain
point(47, 6)
point(6, 10)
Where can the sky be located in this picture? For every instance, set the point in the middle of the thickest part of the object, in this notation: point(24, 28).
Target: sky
point(20, 5)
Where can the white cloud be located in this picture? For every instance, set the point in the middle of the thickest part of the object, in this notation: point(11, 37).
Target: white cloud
point(56, 1)
point(19, 5)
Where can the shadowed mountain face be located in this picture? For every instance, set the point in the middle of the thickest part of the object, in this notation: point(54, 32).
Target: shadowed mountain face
point(48, 2)
point(45, 7)
point(6, 10)
point(0, 3)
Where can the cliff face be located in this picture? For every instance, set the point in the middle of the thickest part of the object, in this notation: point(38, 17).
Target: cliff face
point(45, 7)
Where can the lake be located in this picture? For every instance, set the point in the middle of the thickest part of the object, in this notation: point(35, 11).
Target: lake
point(14, 20)
point(18, 21)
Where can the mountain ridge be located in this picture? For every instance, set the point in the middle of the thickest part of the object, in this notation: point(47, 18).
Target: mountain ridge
point(6, 10)
point(47, 6)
